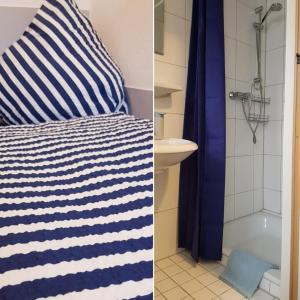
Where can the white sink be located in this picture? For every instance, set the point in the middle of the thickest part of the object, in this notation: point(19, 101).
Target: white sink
point(170, 152)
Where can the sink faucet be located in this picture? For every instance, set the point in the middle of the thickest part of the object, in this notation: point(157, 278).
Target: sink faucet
point(159, 125)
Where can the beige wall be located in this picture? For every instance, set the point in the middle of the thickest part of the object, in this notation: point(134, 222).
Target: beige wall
point(171, 68)
point(83, 4)
point(126, 28)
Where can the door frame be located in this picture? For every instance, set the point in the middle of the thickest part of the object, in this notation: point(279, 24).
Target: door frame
point(290, 204)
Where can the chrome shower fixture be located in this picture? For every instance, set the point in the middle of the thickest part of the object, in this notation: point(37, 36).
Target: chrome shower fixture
point(274, 7)
point(254, 102)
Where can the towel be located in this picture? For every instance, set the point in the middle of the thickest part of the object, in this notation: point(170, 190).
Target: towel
point(244, 272)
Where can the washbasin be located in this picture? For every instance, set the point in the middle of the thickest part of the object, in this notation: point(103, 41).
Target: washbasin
point(170, 152)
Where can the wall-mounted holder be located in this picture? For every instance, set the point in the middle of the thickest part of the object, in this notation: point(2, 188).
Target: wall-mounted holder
point(248, 98)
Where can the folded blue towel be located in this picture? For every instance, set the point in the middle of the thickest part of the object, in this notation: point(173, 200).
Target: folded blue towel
point(244, 272)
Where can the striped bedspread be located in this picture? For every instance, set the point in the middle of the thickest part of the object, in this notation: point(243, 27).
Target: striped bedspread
point(76, 209)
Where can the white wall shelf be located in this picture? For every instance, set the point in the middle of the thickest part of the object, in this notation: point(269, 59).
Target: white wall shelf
point(83, 4)
point(164, 89)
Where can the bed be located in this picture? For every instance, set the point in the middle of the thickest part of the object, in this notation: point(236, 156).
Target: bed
point(76, 209)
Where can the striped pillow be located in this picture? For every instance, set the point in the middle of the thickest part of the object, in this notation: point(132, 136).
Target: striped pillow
point(58, 70)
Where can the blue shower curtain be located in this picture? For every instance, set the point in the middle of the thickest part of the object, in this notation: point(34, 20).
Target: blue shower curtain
point(202, 184)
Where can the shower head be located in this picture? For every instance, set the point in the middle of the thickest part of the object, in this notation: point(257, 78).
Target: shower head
point(274, 7)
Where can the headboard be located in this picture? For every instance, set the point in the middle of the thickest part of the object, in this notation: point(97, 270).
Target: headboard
point(16, 15)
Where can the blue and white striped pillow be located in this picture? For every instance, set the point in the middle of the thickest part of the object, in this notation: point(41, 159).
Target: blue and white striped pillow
point(58, 70)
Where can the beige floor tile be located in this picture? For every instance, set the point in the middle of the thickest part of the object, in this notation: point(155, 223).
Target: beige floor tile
point(176, 294)
point(209, 265)
point(187, 264)
point(159, 276)
point(186, 253)
point(177, 258)
point(207, 278)
point(156, 268)
point(219, 287)
point(231, 295)
point(160, 297)
point(173, 270)
point(197, 271)
point(164, 263)
point(165, 285)
point(192, 286)
point(182, 277)
point(156, 292)
point(188, 298)
point(204, 294)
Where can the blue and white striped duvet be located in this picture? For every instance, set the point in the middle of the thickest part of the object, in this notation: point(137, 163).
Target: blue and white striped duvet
point(76, 209)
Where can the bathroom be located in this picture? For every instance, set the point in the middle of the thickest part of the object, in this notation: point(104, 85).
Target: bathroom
point(254, 35)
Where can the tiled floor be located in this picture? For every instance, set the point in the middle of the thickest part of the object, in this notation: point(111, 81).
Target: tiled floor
point(178, 277)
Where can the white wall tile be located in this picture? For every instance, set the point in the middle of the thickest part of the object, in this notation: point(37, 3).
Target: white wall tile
point(273, 138)
point(243, 174)
point(189, 9)
point(258, 148)
point(275, 67)
point(243, 139)
point(230, 18)
point(243, 87)
point(188, 26)
point(276, 30)
point(272, 201)
point(229, 178)
point(245, 29)
point(230, 137)
point(175, 47)
point(272, 172)
point(250, 175)
point(243, 204)
point(230, 104)
point(253, 3)
point(258, 171)
point(170, 74)
point(173, 126)
point(175, 7)
point(230, 57)
point(229, 209)
point(244, 65)
point(258, 199)
point(275, 108)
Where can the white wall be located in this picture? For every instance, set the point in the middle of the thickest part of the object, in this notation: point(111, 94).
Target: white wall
point(244, 160)
point(171, 68)
point(275, 51)
point(126, 28)
point(253, 172)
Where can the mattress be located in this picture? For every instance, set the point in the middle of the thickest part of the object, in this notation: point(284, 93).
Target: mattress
point(76, 209)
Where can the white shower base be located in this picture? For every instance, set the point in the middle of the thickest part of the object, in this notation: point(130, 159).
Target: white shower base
point(259, 235)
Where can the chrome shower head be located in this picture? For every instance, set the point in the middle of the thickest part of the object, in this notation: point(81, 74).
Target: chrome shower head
point(274, 7)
